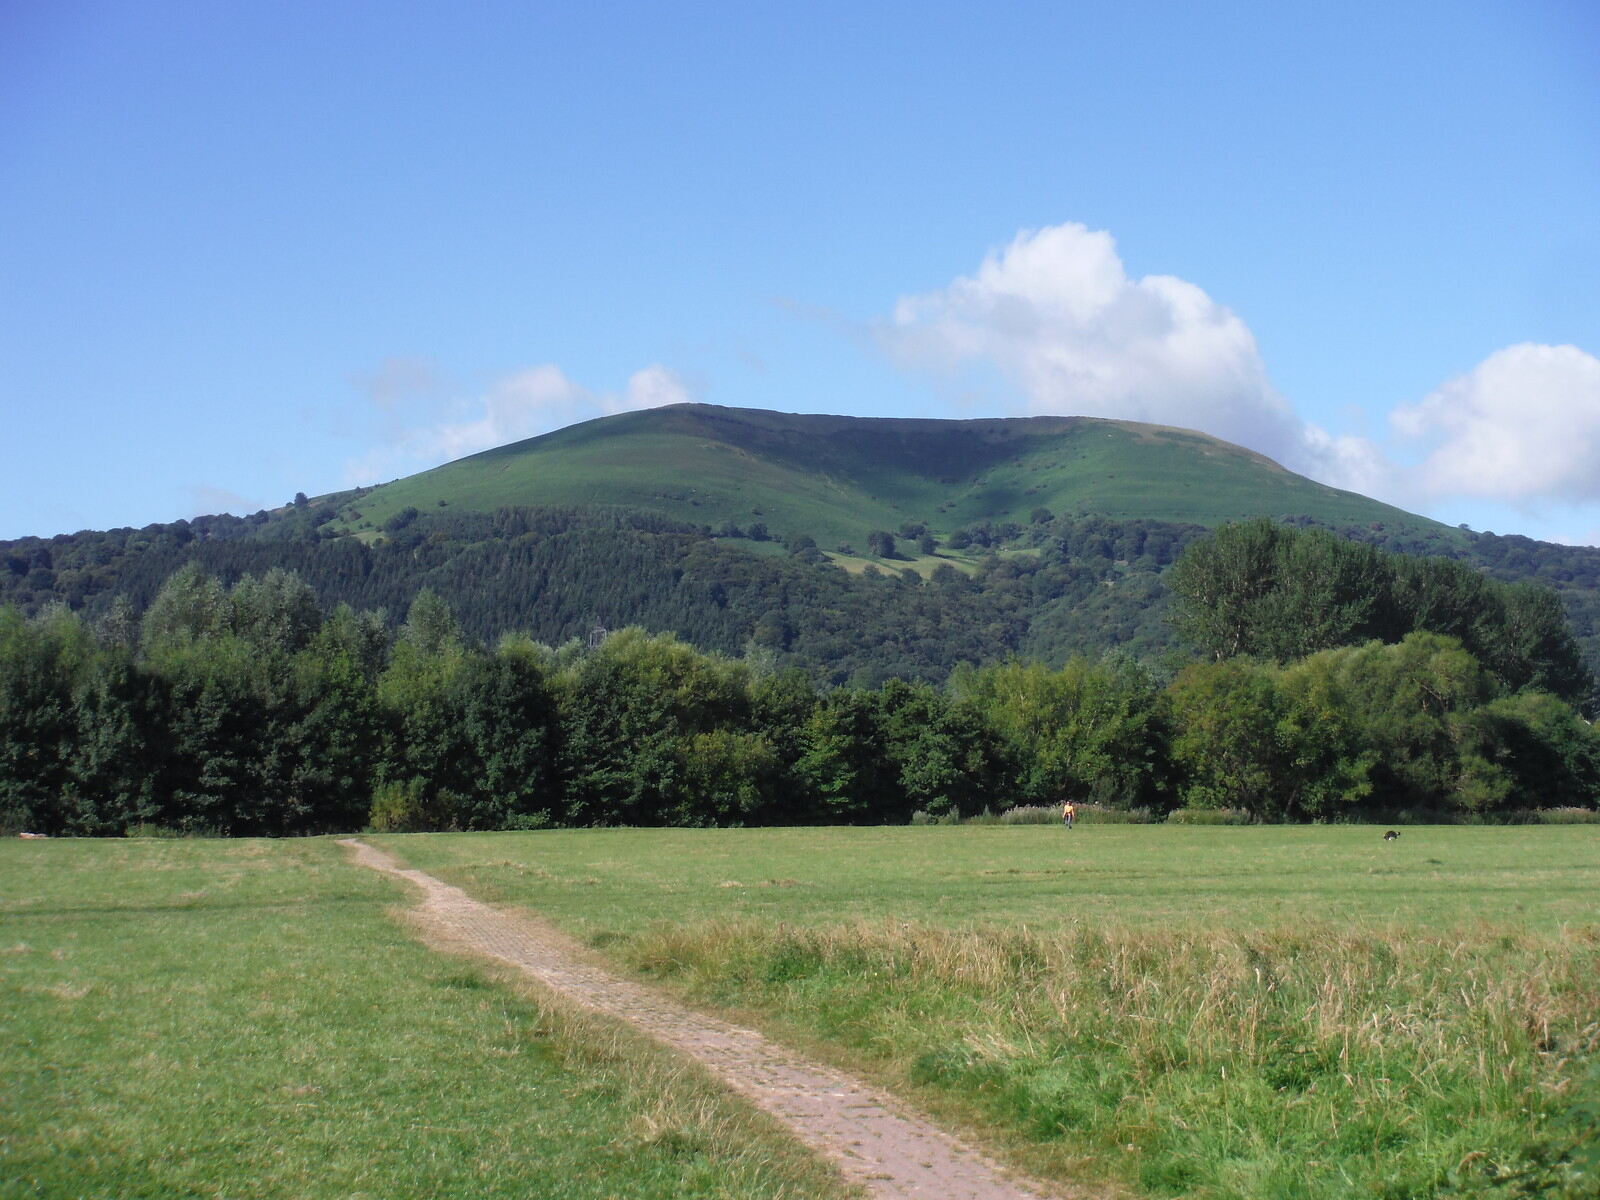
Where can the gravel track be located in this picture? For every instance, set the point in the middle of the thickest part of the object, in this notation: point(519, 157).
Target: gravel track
point(872, 1138)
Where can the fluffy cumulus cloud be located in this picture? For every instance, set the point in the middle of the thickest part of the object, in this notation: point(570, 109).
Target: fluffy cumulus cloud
point(522, 405)
point(1523, 425)
point(651, 387)
point(1058, 316)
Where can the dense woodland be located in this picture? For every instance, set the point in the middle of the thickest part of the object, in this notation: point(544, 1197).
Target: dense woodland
point(1056, 588)
point(556, 574)
point(1421, 687)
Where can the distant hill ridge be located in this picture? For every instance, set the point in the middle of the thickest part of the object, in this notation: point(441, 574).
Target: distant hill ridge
point(837, 477)
point(1040, 537)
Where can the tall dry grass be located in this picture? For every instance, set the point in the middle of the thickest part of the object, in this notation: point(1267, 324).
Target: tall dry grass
point(1304, 1061)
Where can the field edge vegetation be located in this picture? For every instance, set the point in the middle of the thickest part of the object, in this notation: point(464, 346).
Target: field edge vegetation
point(1420, 687)
point(1310, 1061)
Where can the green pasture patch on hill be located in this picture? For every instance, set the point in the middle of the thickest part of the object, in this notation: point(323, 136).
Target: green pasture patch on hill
point(246, 1018)
point(1244, 1012)
point(922, 564)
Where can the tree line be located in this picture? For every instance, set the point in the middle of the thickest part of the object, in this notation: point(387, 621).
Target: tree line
point(250, 709)
point(556, 573)
point(1058, 587)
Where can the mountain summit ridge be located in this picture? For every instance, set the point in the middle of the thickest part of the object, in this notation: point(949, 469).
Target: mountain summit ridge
point(839, 477)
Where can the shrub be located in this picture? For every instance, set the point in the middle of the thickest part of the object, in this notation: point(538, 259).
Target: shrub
point(1031, 814)
point(1568, 816)
point(1208, 816)
point(1105, 814)
point(400, 520)
point(529, 821)
point(1093, 814)
point(401, 807)
point(1044, 814)
point(148, 829)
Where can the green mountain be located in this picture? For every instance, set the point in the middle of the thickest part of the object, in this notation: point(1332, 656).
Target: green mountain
point(1039, 537)
point(838, 478)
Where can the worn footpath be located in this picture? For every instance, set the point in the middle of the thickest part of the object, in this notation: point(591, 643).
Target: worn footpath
point(873, 1139)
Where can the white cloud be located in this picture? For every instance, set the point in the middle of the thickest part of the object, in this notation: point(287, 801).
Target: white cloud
point(204, 500)
point(1523, 425)
point(519, 406)
point(522, 405)
point(1057, 315)
point(1356, 464)
point(399, 379)
point(651, 387)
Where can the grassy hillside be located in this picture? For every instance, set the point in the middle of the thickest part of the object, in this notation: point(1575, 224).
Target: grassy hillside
point(606, 523)
point(837, 478)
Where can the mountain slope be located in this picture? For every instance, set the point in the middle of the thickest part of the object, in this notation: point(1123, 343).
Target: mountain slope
point(837, 478)
point(647, 518)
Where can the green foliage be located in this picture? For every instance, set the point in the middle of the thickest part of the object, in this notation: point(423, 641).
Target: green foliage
point(277, 612)
point(402, 807)
point(629, 708)
point(1567, 816)
point(947, 761)
point(191, 605)
point(1274, 592)
point(431, 628)
point(727, 778)
point(42, 664)
point(880, 543)
point(1090, 732)
point(1227, 715)
point(400, 519)
point(550, 537)
point(1208, 816)
point(843, 765)
point(245, 711)
point(1084, 584)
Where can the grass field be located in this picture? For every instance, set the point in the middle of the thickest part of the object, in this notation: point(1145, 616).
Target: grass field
point(1171, 1011)
point(621, 880)
point(1178, 1011)
point(246, 1019)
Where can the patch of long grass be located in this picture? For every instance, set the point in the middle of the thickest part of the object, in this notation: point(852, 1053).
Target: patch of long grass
point(1046, 814)
point(1310, 1062)
point(1567, 816)
point(1041, 986)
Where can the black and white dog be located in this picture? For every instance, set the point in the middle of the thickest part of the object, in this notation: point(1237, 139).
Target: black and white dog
point(1391, 835)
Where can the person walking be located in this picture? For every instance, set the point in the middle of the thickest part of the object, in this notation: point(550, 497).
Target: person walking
point(1069, 813)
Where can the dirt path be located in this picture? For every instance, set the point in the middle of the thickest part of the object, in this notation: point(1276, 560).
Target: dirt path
point(896, 1156)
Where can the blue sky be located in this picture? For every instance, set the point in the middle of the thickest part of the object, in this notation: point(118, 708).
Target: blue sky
point(252, 249)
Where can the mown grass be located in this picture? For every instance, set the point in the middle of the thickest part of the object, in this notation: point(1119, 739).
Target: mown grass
point(619, 880)
point(246, 1019)
point(1186, 1011)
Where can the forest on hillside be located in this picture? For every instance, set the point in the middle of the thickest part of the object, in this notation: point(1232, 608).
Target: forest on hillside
point(251, 709)
point(1054, 588)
